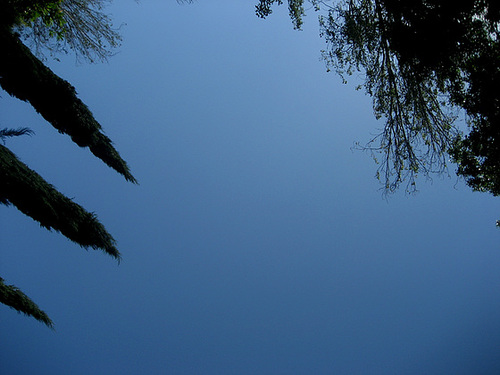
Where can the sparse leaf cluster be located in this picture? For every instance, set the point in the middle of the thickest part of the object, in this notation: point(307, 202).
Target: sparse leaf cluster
point(80, 26)
point(418, 128)
point(422, 62)
point(295, 9)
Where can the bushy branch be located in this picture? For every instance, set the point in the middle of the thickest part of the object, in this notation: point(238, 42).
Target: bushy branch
point(295, 10)
point(418, 130)
point(25, 77)
point(81, 27)
point(11, 296)
point(36, 198)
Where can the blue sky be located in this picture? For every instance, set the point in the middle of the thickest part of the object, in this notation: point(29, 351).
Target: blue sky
point(257, 241)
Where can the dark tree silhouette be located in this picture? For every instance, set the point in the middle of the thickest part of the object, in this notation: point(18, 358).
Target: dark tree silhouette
point(13, 297)
point(80, 25)
point(423, 61)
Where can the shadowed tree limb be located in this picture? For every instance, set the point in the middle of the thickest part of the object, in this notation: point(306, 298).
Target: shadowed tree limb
point(25, 77)
point(36, 198)
point(14, 298)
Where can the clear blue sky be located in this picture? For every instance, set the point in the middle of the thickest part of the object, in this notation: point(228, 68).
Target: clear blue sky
point(257, 242)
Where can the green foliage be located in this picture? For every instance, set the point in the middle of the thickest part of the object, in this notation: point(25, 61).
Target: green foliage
point(422, 62)
point(418, 129)
point(36, 198)
point(81, 25)
point(11, 296)
point(295, 9)
point(478, 153)
point(62, 25)
point(455, 46)
point(25, 77)
point(27, 11)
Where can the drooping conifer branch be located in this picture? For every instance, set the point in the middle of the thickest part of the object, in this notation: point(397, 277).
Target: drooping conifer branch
point(25, 77)
point(33, 196)
point(81, 25)
point(11, 296)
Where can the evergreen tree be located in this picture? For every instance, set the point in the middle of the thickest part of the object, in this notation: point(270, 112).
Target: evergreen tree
point(53, 23)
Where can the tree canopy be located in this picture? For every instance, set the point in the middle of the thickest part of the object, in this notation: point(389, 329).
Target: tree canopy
point(423, 62)
point(53, 25)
